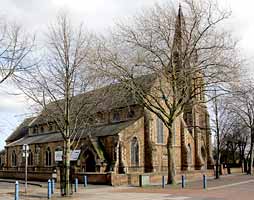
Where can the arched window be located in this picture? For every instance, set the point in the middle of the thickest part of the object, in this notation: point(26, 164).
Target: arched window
point(50, 126)
point(130, 114)
point(100, 117)
point(159, 131)
point(42, 129)
point(13, 159)
point(203, 152)
point(48, 157)
point(134, 152)
point(35, 129)
point(189, 154)
point(30, 158)
point(116, 116)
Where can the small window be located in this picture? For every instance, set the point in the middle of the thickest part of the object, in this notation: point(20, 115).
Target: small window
point(134, 152)
point(160, 131)
point(50, 127)
point(42, 129)
point(116, 116)
point(100, 117)
point(35, 129)
point(131, 114)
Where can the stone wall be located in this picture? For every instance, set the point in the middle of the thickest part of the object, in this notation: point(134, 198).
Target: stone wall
point(106, 178)
point(126, 136)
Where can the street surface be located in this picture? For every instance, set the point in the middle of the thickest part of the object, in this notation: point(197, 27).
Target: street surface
point(236, 187)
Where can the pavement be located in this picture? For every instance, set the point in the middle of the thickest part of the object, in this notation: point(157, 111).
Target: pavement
point(231, 187)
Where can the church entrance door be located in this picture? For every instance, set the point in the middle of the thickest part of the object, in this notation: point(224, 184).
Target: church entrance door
point(90, 161)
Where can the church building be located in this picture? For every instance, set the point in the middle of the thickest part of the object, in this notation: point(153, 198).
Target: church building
point(123, 141)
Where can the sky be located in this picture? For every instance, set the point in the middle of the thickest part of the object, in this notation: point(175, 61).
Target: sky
point(97, 15)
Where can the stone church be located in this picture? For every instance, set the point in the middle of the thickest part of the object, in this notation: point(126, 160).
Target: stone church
point(124, 141)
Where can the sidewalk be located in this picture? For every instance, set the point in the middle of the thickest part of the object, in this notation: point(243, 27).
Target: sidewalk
point(222, 181)
point(193, 191)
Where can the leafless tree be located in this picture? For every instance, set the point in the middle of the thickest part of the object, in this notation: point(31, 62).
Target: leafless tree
point(15, 46)
point(57, 84)
point(189, 53)
point(243, 105)
point(225, 124)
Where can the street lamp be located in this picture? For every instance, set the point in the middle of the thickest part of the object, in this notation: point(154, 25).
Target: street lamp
point(25, 154)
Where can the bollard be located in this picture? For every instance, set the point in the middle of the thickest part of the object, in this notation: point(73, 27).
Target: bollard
point(183, 181)
point(17, 190)
point(204, 182)
point(52, 186)
point(163, 181)
point(49, 189)
point(85, 181)
point(76, 185)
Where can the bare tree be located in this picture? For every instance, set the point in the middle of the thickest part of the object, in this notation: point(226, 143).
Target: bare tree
point(243, 140)
point(57, 84)
point(188, 53)
point(243, 105)
point(15, 46)
point(224, 125)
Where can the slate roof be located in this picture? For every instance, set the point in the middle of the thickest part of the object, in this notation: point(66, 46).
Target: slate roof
point(20, 131)
point(96, 131)
point(103, 99)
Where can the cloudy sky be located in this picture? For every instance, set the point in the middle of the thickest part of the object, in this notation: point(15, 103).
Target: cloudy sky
point(98, 15)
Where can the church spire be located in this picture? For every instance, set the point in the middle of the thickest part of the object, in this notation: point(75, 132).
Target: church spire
point(177, 43)
point(179, 23)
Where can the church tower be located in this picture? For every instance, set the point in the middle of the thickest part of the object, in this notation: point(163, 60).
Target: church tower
point(195, 113)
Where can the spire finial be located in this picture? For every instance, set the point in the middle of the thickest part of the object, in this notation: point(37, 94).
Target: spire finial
point(180, 9)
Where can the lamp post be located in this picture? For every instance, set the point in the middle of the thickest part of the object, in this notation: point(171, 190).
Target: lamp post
point(25, 154)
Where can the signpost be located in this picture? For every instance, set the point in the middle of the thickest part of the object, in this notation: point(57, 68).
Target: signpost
point(59, 157)
point(25, 154)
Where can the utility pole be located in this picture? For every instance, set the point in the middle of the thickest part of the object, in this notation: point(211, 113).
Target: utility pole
point(25, 154)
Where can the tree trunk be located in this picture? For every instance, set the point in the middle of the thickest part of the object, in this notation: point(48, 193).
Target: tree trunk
point(67, 167)
point(250, 171)
point(217, 172)
point(171, 158)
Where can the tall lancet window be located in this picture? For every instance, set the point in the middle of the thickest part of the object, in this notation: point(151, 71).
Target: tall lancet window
point(134, 152)
point(48, 157)
point(13, 159)
point(30, 158)
point(160, 131)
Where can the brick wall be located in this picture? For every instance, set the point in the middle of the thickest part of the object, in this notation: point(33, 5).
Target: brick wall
point(31, 176)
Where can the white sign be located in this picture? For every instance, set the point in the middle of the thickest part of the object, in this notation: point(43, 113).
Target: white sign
point(25, 154)
point(74, 155)
point(58, 156)
point(25, 147)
